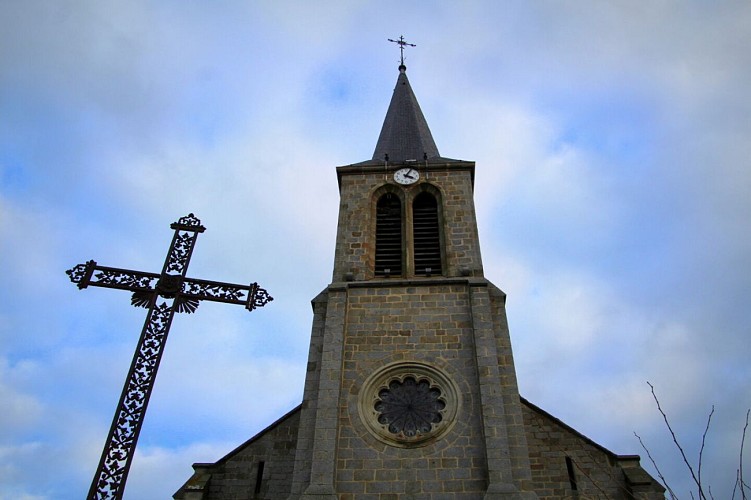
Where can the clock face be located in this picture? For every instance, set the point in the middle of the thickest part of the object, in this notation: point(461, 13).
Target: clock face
point(406, 176)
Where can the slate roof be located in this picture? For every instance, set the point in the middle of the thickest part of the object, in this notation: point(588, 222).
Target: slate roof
point(405, 134)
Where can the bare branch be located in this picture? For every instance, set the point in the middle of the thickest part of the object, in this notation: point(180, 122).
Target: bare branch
point(591, 480)
point(740, 459)
point(703, 440)
point(677, 444)
point(735, 486)
point(659, 473)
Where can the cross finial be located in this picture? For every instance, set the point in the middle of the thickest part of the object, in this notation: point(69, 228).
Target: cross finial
point(402, 43)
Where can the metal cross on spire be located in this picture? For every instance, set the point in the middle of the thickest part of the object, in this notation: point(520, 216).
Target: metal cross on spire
point(180, 294)
point(402, 44)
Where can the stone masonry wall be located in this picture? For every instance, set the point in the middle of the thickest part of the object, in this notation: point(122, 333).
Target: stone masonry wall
point(597, 473)
point(234, 478)
point(359, 190)
point(371, 470)
point(429, 324)
point(517, 442)
point(306, 435)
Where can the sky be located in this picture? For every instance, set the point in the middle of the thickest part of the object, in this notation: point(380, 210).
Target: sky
point(613, 195)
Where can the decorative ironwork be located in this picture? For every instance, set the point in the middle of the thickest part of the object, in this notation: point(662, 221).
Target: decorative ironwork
point(402, 44)
point(258, 297)
point(81, 274)
point(180, 295)
point(409, 407)
point(115, 462)
point(141, 299)
point(182, 247)
point(169, 285)
point(122, 278)
point(188, 223)
point(185, 305)
point(222, 292)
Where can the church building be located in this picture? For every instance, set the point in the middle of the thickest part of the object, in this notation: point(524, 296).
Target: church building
point(411, 390)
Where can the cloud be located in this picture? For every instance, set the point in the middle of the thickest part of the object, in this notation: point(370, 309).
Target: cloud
point(151, 465)
point(21, 411)
point(612, 194)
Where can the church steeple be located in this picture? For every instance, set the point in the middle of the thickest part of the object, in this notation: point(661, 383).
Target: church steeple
point(405, 134)
point(410, 389)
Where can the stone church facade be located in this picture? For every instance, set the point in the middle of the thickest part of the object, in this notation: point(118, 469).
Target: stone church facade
point(411, 390)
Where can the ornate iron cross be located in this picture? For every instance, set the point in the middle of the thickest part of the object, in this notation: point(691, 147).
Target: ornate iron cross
point(402, 43)
point(180, 294)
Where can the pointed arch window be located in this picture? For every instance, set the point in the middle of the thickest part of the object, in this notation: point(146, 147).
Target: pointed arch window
point(388, 248)
point(427, 239)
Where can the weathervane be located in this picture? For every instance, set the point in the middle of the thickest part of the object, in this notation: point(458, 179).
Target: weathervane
point(401, 44)
point(180, 294)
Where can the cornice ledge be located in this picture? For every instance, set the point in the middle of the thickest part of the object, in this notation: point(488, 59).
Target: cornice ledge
point(391, 282)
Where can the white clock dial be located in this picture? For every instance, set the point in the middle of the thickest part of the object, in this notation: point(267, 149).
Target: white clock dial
point(406, 176)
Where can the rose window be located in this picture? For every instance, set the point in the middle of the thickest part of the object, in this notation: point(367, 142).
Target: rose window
point(408, 404)
point(410, 407)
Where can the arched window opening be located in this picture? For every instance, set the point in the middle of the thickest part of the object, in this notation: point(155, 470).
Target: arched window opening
point(388, 250)
point(427, 239)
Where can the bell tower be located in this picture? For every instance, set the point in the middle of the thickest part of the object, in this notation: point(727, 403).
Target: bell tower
point(411, 389)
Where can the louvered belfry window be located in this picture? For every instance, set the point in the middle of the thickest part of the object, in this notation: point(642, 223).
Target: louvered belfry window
point(388, 258)
point(427, 240)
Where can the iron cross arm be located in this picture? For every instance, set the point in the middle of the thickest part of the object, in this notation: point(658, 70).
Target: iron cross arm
point(187, 292)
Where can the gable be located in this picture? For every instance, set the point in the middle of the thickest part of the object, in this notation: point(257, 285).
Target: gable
point(262, 466)
point(561, 459)
point(566, 462)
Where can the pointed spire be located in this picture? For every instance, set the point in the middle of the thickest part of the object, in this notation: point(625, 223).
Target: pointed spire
point(405, 134)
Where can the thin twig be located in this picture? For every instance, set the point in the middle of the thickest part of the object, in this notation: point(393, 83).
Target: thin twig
point(584, 473)
point(735, 486)
point(703, 440)
point(659, 473)
point(617, 479)
point(740, 459)
point(677, 444)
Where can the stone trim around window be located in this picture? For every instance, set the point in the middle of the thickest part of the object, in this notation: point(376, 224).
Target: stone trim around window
point(408, 404)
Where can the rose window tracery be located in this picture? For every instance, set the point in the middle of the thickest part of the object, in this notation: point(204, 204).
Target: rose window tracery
point(409, 407)
point(408, 404)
